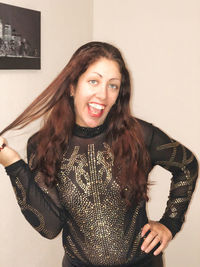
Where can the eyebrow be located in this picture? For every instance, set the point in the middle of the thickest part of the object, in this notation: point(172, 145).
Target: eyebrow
point(102, 76)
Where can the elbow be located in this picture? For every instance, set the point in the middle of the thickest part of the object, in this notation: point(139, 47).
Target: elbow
point(46, 228)
point(195, 168)
point(49, 234)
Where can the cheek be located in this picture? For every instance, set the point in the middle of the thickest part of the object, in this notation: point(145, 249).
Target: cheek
point(77, 103)
point(114, 98)
point(82, 93)
point(80, 101)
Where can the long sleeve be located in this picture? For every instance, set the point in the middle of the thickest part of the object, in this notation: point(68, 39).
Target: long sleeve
point(40, 205)
point(183, 166)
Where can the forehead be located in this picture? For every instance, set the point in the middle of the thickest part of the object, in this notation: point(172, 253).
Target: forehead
point(105, 67)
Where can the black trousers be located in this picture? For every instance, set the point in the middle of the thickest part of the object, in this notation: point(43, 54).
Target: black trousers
point(154, 261)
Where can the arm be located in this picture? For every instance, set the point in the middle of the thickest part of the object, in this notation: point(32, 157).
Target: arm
point(40, 205)
point(183, 166)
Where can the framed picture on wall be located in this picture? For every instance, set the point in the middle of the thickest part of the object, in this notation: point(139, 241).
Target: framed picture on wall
point(19, 38)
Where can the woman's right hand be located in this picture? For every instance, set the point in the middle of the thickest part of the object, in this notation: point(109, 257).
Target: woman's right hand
point(8, 155)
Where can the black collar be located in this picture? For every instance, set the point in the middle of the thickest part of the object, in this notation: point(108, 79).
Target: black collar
point(87, 132)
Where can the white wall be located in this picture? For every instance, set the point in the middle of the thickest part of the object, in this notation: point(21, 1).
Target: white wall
point(160, 41)
point(65, 25)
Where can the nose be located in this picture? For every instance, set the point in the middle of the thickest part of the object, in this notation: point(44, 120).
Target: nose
point(101, 92)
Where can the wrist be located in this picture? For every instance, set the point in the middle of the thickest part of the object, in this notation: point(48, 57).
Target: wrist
point(8, 156)
point(171, 225)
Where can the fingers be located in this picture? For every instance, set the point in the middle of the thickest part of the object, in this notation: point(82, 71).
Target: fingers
point(2, 140)
point(8, 155)
point(161, 248)
point(150, 242)
point(145, 229)
point(2, 143)
point(159, 234)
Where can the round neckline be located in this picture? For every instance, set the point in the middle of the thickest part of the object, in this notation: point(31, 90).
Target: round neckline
point(88, 132)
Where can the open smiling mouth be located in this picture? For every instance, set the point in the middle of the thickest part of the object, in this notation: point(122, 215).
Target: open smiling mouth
point(95, 110)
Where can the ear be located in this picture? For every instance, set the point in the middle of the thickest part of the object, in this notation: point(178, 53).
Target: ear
point(72, 90)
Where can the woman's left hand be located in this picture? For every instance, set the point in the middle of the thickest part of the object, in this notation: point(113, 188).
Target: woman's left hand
point(158, 233)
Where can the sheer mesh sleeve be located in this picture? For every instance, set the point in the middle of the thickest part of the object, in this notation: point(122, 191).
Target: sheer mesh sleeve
point(183, 166)
point(40, 205)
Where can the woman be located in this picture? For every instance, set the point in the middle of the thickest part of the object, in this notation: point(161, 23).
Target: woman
point(88, 166)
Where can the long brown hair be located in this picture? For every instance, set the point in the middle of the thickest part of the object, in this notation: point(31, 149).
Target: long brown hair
point(56, 105)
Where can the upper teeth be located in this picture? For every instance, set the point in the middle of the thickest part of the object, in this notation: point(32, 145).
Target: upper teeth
point(97, 106)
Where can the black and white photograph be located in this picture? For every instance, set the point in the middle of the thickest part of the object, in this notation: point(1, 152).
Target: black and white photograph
point(100, 147)
point(19, 38)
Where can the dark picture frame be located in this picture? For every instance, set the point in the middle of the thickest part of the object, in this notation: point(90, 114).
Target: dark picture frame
point(20, 40)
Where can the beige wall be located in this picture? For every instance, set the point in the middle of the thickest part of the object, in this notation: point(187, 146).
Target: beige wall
point(160, 41)
point(66, 24)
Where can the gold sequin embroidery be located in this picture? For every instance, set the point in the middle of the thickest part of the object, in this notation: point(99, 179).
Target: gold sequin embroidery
point(97, 211)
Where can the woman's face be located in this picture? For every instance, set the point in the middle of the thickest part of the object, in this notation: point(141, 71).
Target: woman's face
point(96, 92)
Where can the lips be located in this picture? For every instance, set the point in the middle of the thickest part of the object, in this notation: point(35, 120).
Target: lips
point(95, 109)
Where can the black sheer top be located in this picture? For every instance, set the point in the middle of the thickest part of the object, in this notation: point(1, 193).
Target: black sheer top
point(98, 227)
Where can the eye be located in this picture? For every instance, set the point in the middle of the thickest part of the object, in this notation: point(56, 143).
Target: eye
point(113, 86)
point(93, 82)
